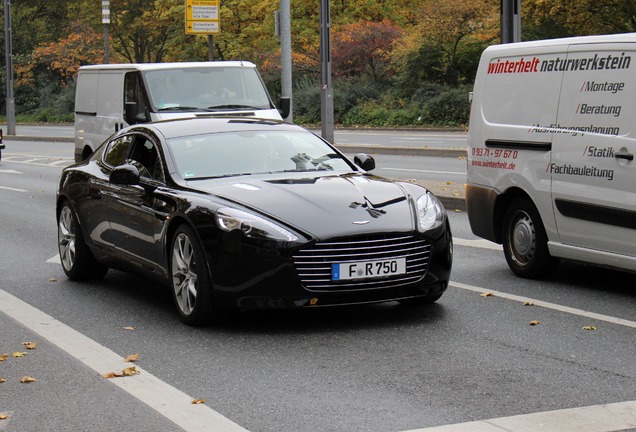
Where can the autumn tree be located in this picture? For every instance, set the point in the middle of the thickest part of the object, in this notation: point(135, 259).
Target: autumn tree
point(445, 45)
point(59, 61)
point(547, 19)
point(142, 29)
point(364, 48)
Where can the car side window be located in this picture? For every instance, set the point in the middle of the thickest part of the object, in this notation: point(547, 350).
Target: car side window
point(118, 150)
point(145, 157)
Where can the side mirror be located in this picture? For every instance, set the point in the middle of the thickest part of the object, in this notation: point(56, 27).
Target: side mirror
point(284, 107)
point(364, 161)
point(132, 111)
point(125, 175)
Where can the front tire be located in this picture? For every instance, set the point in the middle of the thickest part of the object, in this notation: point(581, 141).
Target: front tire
point(190, 277)
point(77, 260)
point(525, 242)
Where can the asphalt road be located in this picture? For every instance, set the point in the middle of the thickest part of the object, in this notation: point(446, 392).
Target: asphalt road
point(472, 356)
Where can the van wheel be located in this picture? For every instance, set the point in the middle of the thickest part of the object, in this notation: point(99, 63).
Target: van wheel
point(525, 242)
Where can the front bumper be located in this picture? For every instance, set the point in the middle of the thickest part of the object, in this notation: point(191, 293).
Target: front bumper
point(249, 277)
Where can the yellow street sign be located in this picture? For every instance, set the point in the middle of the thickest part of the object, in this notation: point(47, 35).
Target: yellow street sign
point(202, 17)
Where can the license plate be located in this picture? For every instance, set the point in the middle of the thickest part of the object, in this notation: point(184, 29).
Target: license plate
point(368, 269)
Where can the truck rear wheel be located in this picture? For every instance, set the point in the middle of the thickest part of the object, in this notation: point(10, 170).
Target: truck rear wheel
point(525, 242)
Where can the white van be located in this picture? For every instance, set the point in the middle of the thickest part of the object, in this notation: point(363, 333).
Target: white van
point(552, 138)
point(110, 97)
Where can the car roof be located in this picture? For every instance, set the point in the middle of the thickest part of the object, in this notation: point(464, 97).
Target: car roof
point(201, 125)
point(167, 66)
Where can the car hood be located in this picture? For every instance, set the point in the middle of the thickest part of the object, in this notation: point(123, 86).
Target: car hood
point(323, 206)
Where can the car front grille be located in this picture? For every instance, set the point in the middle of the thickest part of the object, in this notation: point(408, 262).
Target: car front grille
point(313, 264)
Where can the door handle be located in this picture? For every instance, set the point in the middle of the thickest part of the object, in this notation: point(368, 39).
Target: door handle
point(625, 155)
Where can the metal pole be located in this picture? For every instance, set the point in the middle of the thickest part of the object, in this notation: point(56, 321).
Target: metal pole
point(285, 55)
point(326, 94)
point(210, 48)
point(106, 21)
point(9, 65)
point(106, 44)
point(510, 21)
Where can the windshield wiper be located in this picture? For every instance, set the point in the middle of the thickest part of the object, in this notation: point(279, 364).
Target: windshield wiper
point(233, 107)
point(219, 176)
point(179, 108)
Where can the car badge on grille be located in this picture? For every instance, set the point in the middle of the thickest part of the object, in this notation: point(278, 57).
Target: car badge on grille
point(362, 222)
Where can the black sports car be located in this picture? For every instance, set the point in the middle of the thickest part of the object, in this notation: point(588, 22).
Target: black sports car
point(244, 213)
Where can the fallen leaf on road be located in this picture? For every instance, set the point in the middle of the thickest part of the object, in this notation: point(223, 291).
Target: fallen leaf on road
point(2, 380)
point(528, 303)
point(130, 371)
point(19, 354)
point(486, 294)
point(198, 401)
point(3, 357)
point(535, 322)
point(129, 328)
point(3, 417)
point(27, 379)
point(29, 345)
point(132, 358)
point(589, 327)
point(125, 372)
point(52, 279)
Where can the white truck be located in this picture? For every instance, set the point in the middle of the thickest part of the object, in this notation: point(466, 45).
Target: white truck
point(551, 145)
point(113, 96)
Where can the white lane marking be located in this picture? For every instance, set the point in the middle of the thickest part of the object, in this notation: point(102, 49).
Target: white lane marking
point(478, 243)
point(548, 305)
point(13, 189)
point(597, 418)
point(10, 172)
point(165, 399)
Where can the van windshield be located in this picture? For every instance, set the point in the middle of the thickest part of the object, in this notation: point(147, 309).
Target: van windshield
point(206, 89)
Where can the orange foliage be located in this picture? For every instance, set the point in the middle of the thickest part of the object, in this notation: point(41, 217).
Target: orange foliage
point(62, 58)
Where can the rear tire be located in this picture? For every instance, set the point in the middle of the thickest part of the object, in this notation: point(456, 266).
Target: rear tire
point(525, 242)
point(77, 260)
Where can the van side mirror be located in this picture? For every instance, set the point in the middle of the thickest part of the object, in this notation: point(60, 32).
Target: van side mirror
point(131, 113)
point(364, 161)
point(284, 107)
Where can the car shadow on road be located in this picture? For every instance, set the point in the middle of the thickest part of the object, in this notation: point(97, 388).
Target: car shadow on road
point(138, 299)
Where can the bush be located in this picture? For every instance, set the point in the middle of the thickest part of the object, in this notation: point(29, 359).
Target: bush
point(449, 108)
point(306, 99)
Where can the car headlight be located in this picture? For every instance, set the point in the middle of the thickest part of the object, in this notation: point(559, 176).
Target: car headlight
point(252, 226)
point(430, 212)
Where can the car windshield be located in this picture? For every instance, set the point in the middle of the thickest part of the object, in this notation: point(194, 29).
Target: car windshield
point(255, 152)
point(206, 89)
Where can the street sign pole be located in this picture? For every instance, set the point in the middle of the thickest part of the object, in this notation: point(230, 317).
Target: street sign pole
point(106, 21)
point(9, 65)
point(202, 18)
